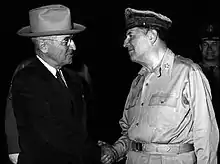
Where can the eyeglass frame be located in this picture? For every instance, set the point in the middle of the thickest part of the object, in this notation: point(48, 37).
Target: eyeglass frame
point(64, 42)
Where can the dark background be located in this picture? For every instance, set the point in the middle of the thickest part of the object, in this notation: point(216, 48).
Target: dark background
point(100, 48)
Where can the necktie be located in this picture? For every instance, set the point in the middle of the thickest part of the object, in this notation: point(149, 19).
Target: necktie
point(59, 77)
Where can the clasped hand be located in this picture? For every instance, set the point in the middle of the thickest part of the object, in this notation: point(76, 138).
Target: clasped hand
point(107, 153)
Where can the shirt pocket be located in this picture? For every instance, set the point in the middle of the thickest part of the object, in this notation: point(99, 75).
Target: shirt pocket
point(163, 99)
point(163, 111)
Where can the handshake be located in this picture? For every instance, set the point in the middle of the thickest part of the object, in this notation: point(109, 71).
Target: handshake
point(108, 153)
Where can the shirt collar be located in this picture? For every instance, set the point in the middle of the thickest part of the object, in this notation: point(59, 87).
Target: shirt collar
point(167, 62)
point(205, 65)
point(165, 66)
point(49, 67)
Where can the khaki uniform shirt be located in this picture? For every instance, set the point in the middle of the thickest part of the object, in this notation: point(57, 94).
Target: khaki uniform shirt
point(173, 105)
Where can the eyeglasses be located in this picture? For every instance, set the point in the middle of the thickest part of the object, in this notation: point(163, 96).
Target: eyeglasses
point(64, 42)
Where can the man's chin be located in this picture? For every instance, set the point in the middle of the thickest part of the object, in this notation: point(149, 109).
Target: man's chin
point(211, 57)
point(133, 59)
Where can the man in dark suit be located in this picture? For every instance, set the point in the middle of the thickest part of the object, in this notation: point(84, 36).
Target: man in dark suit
point(48, 99)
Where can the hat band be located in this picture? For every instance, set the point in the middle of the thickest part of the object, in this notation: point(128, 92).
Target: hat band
point(145, 22)
point(211, 38)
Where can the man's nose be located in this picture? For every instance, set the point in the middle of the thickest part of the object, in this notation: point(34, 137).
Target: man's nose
point(125, 42)
point(209, 47)
point(72, 45)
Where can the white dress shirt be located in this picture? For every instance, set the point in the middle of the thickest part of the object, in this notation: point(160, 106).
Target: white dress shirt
point(52, 69)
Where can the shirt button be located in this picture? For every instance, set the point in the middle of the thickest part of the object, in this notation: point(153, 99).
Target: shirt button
point(166, 65)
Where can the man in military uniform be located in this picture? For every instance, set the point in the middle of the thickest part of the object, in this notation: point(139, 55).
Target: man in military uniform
point(210, 48)
point(168, 116)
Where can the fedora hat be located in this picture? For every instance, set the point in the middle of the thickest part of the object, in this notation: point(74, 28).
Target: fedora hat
point(50, 20)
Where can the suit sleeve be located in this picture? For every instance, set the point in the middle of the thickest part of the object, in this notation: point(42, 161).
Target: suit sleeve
point(10, 121)
point(29, 103)
point(11, 129)
point(205, 130)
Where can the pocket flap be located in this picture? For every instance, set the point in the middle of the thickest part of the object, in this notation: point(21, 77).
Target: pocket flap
point(163, 99)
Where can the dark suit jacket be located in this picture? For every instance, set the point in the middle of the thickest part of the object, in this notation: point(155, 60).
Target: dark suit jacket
point(51, 119)
point(10, 121)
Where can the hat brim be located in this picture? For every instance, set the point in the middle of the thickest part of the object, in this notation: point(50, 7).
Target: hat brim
point(26, 31)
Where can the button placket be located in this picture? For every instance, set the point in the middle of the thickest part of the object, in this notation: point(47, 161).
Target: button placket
point(142, 98)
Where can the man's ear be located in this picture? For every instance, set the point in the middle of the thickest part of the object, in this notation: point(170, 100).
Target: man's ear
point(43, 46)
point(200, 47)
point(152, 34)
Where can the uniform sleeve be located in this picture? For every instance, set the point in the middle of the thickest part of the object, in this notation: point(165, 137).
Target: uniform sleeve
point(122, 144)
point(205, 129)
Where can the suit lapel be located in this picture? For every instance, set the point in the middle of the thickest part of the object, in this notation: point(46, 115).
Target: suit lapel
point(75, 89)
